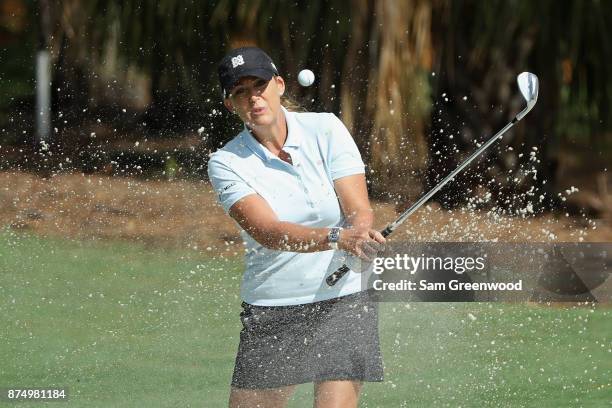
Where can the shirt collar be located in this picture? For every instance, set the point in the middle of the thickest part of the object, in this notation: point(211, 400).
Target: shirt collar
point(294, 137)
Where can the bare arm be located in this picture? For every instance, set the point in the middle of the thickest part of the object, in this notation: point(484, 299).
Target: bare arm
point(360, 239)
point(353, 196)
point(257, 218)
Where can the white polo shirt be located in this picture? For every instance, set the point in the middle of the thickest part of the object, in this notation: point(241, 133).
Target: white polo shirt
point(322, 150)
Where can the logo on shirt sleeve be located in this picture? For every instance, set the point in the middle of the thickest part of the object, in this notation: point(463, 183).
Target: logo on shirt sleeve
point(230, 185)
point(224, 189)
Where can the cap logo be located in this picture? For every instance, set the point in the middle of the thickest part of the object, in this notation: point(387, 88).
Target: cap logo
point(236, 61)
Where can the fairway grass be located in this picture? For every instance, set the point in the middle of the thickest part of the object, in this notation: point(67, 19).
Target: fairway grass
point(123, 325)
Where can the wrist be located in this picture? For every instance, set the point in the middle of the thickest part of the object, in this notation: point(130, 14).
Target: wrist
point(333, 236)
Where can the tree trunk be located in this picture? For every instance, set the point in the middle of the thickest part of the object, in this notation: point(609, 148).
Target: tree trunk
point(397, 98)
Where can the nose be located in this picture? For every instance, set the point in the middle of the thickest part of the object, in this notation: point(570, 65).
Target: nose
point(253, 94)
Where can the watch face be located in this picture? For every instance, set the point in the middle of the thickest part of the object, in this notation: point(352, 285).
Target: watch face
point(334, 234)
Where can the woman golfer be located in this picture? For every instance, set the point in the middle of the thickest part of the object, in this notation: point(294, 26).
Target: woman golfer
point(295, 184)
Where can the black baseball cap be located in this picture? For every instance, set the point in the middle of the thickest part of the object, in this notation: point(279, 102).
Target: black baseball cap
point(241, 62)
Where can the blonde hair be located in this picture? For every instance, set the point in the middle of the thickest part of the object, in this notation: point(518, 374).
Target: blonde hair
point(291, 105)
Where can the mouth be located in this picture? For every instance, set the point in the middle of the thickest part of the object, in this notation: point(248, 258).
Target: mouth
point(258, 111)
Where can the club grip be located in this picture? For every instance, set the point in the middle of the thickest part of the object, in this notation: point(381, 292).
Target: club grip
point(337, 275)
point(387, 231)
point(340, 272)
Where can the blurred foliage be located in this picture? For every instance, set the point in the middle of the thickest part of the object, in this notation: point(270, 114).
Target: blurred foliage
point(17, 42)
point(481, 47)
point(383, 65)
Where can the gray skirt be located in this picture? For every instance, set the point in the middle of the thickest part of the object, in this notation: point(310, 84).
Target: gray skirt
point(334, 339)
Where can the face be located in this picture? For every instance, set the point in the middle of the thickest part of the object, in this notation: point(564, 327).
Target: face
point(256, 100)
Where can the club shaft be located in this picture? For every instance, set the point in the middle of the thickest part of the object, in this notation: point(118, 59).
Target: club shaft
point(448, 178)
point(343, 270)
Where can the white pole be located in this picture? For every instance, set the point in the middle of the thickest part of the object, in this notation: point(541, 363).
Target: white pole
point(43, 96)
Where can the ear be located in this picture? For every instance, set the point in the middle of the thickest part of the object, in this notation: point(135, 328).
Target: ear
point(280, 84)
point(228, 104)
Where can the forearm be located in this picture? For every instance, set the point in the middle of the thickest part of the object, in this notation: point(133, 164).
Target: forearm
point(287, 236)
point(352, 194)
point(361, 218)
point(255, 216)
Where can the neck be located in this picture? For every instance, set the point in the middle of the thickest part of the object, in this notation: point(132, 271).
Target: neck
point(273, 137)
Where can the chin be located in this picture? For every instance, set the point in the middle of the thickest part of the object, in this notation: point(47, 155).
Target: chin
point(261, 120)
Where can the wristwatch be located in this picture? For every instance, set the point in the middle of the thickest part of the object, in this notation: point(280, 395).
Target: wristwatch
point(333, 236)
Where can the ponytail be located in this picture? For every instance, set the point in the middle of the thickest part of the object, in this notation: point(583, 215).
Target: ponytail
point(291, 105)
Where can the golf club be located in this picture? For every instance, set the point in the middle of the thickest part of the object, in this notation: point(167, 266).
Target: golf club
point(528, 85)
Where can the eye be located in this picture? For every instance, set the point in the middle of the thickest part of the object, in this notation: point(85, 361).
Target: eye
point(261, 83)
point(239, 91)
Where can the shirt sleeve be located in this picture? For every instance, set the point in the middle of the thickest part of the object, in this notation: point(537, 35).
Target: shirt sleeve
point(345, 159)
point(227, 184)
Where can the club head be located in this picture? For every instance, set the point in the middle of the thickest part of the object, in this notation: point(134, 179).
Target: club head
point(528, 84)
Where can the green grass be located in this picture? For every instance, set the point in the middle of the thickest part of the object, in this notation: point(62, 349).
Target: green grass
point(122, 325)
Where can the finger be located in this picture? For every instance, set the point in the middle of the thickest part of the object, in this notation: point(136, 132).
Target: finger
point(367, 258)
point(370, 247)
point(377, 236)
point(370, 252)
point(362, 254)
point(376, 245)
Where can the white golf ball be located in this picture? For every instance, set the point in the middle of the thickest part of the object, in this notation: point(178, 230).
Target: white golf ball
point(306, 77)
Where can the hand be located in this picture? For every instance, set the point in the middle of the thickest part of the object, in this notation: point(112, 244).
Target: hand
point(365, 243)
